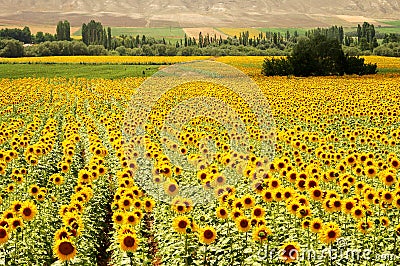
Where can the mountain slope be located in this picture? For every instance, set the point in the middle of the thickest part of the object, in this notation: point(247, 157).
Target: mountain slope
point(188, 13)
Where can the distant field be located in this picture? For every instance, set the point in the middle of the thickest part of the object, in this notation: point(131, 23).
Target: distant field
point(236, 31)
point(395, 27)
point(194, 32)
point(300, 31)
point(395, 23)
point(36, 28)
point(75, 71)
point(122, 60)
point(168, 33)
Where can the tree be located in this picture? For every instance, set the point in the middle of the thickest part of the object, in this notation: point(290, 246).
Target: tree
point(109, 37)
point(317, 56)
point(93, 33)
point(11, 48)
point(23, 35)
point(39, 38)
point(63, 31)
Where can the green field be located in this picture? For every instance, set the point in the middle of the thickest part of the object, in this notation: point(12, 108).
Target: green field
point(169, 33)
point(106, 71)
point(300, 31)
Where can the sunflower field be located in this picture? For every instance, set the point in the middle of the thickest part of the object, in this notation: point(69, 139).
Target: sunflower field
point(83, 184)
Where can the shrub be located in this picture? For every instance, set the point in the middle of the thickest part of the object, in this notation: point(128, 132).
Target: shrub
point(11, 48)
point(317, 56)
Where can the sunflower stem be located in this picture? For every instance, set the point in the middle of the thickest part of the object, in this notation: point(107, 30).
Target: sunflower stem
point(230, 242)
point(15, 247)
point(205, 255)
point(186, 251)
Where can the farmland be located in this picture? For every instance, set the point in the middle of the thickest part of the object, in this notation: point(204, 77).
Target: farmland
point(168, 33)
point(72, 183)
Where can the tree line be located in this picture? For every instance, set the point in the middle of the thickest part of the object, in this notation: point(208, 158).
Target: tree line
point(363, 41)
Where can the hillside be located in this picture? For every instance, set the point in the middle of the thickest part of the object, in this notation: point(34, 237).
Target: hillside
point(197, 13)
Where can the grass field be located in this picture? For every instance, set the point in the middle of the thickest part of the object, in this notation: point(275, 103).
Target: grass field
point(169, 33)
point(75, 70)
point(113, 67)
point(300, 31)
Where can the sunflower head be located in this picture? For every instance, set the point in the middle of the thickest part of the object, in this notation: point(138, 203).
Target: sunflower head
point(207, 235)
point(181, 224)
point(290, 252)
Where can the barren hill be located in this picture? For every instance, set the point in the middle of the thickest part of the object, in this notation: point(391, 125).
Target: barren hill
point(198, 13)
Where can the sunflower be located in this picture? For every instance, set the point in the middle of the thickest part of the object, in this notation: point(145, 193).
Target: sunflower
point(84, 176)
point(28, 210)
point(41, 196)
point(236, 213)
point(207, 235)
point(129, 242)
point(222, 213)
point(348, 206)
point(303, 212)
point(219, 181)
point(358, 212)
point(290, 252)
point(311, 183)
point(330, 233)
point(248, 201)
point(131, 218)
point(384, 221)
point(267, 195)
point(388, 178)
point(171, 188)
point(371, 171)
point(327, 205)
point(274, 183)
point(387, 196)
point(364, 226)
point(16, 206)
point(3, 235)
point(305, 224)
point(336, 205)
point(188, 204)
point(243, 224)
point(61, 234)
point(316, 225)
point(125, 203)
point(316, 194)
point(369, 196)
point(16, 222)
point(179, 207)
point(65, 167)
point(10, 188)
point(396, 202)
point(303, 200)
point(137, 204)
point(57, 179)
point(292, 176)
point(278, 194)
point(288, 193)
point(292, 207)
point(397, 230)
point(261, 233)
point(258, 212)
point(149, 204)
point(181, 224)
point(126, 230)
point(118, 217)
